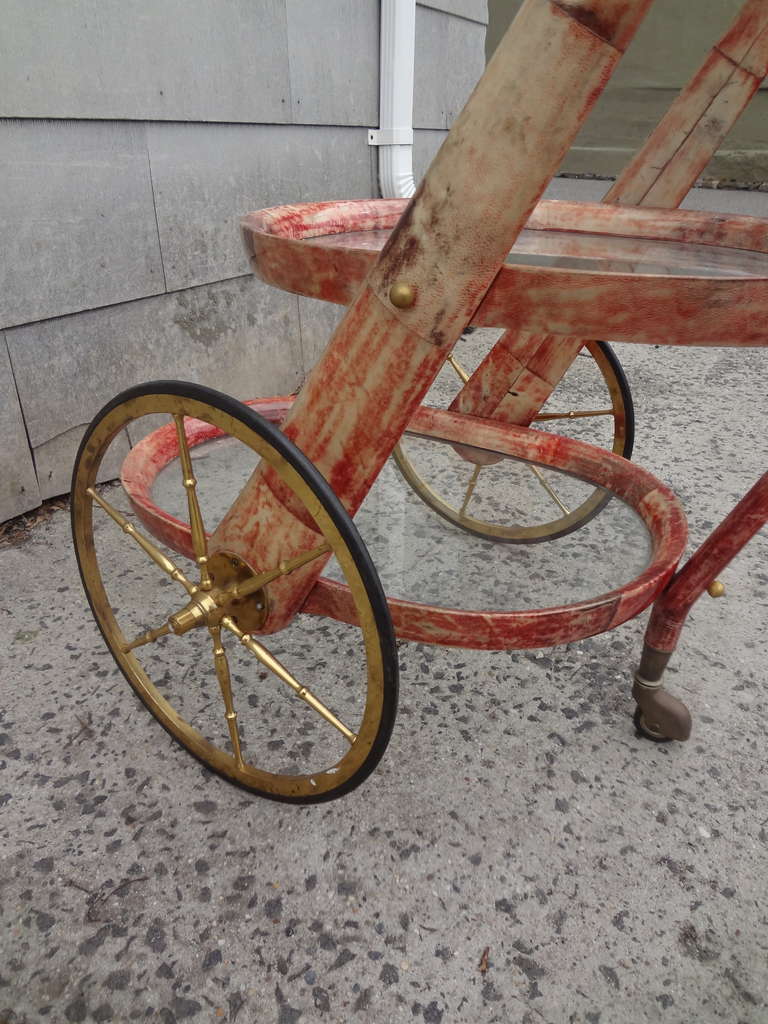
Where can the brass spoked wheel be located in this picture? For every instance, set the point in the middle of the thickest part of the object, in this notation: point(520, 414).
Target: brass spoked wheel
point(304, 719)
point(518, 502)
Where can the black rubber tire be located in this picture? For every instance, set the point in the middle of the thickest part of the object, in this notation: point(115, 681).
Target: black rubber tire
point(343, 523)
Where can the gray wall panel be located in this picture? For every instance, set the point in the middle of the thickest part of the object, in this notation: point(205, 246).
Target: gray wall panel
point(450, 58)
point(334, 62)
point(238, 336)
point(425, 146)
point(55, 458)
point(78, 218)
point(474, 10)
point(207, 177)
point(18, 484)
point(166, 60)
point(137, 135)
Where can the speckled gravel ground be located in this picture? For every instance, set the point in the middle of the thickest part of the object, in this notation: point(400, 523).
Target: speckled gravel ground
point(520, 855)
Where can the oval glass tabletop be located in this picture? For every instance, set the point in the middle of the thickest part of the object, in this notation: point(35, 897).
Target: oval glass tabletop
point(422, 556)
point(578, 250)
point(589, 270)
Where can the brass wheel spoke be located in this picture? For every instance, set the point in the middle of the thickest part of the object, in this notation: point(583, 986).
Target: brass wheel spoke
point(199, 542)
point(549, 489)
point(157, 556)
point(470, 488)
point(147, 638)
point(574, 414)
point(234, 611)
point(225, 683)
point(461, 373)
point(282, 673)
point(283, 569)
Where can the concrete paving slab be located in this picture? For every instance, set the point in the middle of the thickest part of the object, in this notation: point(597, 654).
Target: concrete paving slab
point(519, 854)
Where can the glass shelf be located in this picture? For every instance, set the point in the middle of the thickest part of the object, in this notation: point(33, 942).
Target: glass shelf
point(424, 558)
point(576, 250)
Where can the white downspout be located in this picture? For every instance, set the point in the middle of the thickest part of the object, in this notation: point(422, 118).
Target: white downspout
point(394, 136)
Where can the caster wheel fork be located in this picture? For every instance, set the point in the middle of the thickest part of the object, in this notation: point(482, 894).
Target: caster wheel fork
point(659, 716)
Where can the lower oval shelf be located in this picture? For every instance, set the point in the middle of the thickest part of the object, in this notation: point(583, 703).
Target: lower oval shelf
point(421, 555)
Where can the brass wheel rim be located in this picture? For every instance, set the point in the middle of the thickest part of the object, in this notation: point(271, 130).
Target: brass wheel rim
point(373, 730)
point(563, 524)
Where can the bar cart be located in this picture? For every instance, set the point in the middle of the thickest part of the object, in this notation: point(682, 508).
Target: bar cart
point(273, 489)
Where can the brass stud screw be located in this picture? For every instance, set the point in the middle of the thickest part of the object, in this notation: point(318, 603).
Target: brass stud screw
point(402, 295)
point(716, 589)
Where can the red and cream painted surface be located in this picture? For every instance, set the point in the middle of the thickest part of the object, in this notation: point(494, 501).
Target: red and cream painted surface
point(713, 289)
point(450, 243)
point(491, 629)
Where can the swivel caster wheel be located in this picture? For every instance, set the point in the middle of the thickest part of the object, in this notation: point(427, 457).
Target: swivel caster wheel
point(642, 729)
point(659, 716)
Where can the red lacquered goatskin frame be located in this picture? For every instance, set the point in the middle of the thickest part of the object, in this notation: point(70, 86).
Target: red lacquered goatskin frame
point(449, 244)
point(490, 630)
point(723, 544)
point(292, 248)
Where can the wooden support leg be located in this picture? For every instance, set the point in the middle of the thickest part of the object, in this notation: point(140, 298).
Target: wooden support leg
point(661, 174)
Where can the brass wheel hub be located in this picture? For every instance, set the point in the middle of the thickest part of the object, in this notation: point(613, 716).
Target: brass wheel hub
point(229, 595)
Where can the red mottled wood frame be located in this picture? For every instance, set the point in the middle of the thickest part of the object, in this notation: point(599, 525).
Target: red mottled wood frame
point(442, 266)
point(302, 249)
point(489, 630)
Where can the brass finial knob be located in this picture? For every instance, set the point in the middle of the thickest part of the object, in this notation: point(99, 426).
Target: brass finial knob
point(402, 295)
point(716, 589)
